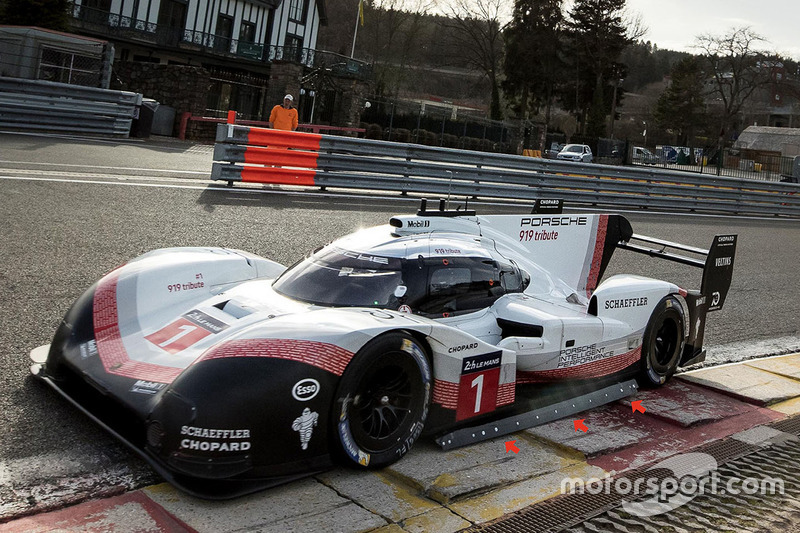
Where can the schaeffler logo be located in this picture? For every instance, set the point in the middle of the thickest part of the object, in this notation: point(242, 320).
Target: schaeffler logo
point(693, 474)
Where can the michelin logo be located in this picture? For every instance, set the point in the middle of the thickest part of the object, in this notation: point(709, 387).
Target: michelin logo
point(304, 425)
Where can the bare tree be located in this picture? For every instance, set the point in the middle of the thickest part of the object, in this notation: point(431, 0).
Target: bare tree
point(393, 28)
point(637, 29)
point(735, 68)
point(393, 37)
point(391, 34)
point(477, 33)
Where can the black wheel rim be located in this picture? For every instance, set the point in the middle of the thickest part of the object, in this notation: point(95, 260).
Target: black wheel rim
point(665, 343)
point(382, 407)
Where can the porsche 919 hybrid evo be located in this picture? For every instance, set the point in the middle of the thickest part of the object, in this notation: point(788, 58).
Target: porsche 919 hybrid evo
point(229, 372)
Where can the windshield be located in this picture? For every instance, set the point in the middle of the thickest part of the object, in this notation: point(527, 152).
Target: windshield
point(574, 148)
point(338, 277)
point(433, 287)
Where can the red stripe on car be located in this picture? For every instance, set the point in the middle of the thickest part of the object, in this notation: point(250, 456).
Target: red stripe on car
point(109, 341)
point(319, 354)
point(445, 394)
point(597, 257)
point(506, 393)
point(116, 361)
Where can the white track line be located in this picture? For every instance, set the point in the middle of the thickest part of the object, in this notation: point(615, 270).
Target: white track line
point(135, 169)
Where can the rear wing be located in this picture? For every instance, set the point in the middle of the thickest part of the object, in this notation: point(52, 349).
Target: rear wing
point(716, 262)
point(717, 265)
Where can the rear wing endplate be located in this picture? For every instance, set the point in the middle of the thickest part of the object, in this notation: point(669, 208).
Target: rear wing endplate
point(717, 265)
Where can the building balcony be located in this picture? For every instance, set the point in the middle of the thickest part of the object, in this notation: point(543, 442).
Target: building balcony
point(114, 26)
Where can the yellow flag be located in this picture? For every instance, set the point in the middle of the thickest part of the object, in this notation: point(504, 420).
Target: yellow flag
point(361, 11)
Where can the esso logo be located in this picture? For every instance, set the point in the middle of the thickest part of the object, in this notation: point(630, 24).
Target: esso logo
point(305, 389)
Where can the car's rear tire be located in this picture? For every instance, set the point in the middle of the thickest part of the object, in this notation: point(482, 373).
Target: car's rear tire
point(664, 339)
point(382, 401)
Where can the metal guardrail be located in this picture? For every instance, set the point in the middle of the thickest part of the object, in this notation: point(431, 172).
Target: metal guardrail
point(49, 106)
point(260, 155)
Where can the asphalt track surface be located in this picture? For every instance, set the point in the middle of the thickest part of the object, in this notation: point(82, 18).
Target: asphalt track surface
point(63, 227)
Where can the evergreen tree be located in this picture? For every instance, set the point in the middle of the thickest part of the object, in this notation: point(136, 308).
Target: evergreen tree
point(533, 63)
point(598, 35)
point(50, 14)
point(681, 106)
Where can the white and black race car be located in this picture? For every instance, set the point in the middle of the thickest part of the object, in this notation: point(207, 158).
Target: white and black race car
point(229, 372)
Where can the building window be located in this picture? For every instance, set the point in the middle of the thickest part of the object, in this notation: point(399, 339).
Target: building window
point(292, 48)
point(247, 46)
point(95, 11)
point(171, 22)
point(297, 11)
point(68, 67)
point(224, 33)
point(247, 34)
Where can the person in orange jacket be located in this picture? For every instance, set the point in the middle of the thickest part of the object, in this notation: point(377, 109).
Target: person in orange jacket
point(284, 116)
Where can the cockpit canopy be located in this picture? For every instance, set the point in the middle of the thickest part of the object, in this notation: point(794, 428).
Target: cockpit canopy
point(430, 286)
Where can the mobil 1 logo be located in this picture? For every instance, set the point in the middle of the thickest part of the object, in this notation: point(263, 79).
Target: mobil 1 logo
point(477, 389)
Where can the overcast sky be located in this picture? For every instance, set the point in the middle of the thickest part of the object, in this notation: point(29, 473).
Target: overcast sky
point(674, 24)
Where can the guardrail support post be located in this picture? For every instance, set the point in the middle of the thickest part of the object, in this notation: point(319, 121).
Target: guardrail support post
point(231, 117)
point(185, 116)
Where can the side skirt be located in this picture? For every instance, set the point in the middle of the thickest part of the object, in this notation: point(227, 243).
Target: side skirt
point(536, 417)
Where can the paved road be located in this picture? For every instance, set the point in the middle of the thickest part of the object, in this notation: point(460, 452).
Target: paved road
point(62, 229)
point(160, 156)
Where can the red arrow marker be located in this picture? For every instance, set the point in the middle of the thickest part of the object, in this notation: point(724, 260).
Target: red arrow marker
point(511, 447)
point(580, 425)
point(637, 406)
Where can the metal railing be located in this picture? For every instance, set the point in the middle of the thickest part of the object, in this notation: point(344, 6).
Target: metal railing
point(735, 163)
point(247, 154)
point(124, 27)
point(49, 106)
point(232, 119)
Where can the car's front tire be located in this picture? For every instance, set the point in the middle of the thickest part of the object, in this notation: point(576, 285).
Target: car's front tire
point(382, 401)
point(663, 342)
